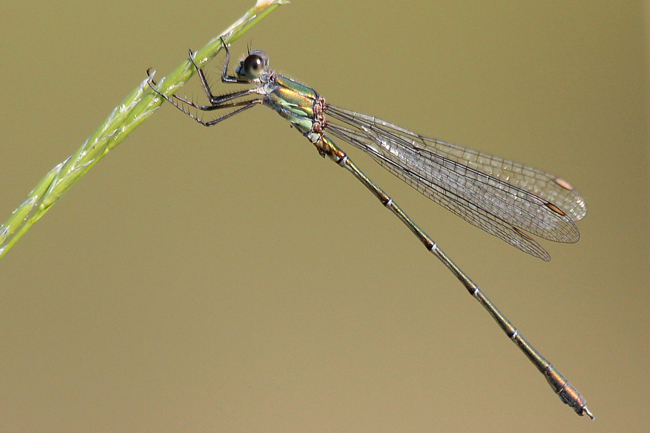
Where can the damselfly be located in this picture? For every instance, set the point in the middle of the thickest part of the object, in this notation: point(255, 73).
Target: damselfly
point(504, 198)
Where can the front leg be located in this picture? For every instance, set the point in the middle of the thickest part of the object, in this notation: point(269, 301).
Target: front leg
point(225, 78)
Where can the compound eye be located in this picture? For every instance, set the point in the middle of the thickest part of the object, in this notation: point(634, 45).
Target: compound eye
point(254, 65)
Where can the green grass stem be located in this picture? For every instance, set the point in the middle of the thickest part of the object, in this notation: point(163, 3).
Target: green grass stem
point(134, 110)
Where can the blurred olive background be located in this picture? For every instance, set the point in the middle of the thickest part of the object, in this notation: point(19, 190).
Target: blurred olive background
point(230, 280)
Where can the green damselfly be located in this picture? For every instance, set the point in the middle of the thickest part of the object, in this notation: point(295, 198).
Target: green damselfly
point(504, 198)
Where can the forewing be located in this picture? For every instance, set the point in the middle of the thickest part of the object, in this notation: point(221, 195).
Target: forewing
point(499, 196)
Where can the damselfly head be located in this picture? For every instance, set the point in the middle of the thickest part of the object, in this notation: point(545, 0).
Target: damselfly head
point(253, 66)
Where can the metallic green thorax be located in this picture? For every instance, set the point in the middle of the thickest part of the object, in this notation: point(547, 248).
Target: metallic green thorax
point(293, 101)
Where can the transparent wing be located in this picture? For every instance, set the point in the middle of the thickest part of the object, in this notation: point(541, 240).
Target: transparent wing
point(502, 197)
